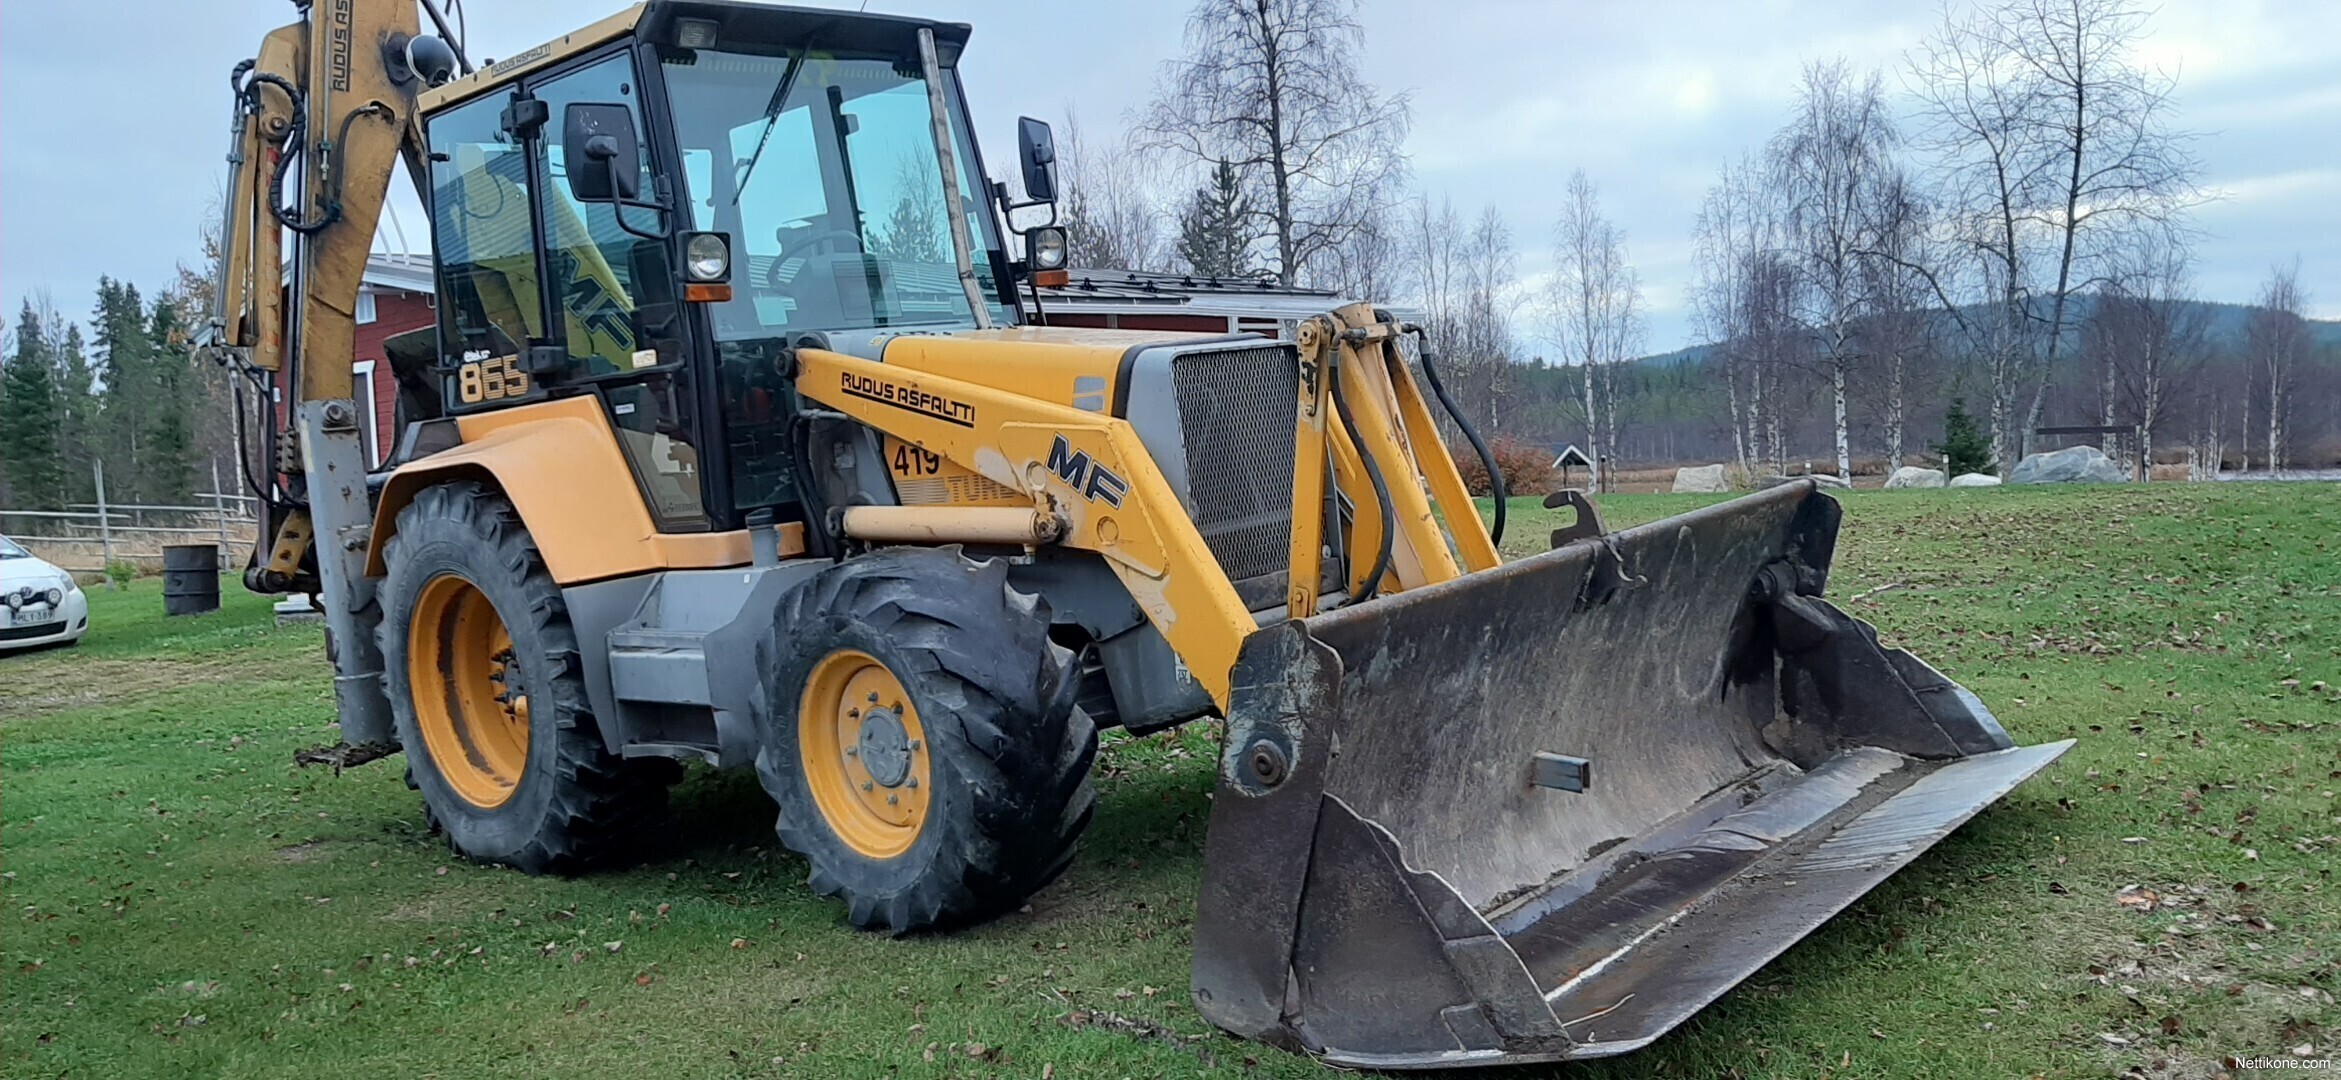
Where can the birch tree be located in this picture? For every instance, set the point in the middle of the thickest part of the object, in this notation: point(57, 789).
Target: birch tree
point(1108, 210)
point(1733, 240)
point(1834, 164)
point(1273, 87)
point(1898, 297)
point(2276, 343)
point(2056, 143)
point(2115, 168)
point(1594, 301)
point(2147, 337)
point(1463, 278)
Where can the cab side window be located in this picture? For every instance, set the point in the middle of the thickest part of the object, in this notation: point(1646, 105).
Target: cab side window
point(485, 235)
point(603, 276)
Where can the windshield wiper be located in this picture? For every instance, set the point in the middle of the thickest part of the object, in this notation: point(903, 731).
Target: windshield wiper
point(788, 79)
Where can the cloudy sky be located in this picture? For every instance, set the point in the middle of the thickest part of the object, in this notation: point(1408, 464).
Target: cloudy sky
point(113, 115)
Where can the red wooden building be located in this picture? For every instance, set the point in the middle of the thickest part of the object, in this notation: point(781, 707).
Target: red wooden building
point(397, 297)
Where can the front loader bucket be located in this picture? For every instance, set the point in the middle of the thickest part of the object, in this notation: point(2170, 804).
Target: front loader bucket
point(1552, 809)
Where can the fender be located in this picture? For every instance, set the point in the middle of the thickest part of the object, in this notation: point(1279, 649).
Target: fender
point(559, 463)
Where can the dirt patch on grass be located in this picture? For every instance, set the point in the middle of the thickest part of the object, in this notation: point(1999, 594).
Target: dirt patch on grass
point(63, 681)
point(306, 852)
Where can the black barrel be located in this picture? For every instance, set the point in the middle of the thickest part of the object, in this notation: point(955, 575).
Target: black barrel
point(190, 579)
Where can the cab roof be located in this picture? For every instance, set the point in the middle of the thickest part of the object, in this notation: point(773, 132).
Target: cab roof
point(736, 20)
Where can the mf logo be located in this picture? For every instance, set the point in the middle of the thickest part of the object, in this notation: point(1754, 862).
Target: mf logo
point(1094, 481)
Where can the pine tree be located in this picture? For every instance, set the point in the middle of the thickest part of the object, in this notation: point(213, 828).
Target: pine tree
point(163, 466)
point(29, 420)
point(1965, 448)
point(1211, 228)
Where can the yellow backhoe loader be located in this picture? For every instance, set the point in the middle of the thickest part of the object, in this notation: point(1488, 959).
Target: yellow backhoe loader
point(735, 442)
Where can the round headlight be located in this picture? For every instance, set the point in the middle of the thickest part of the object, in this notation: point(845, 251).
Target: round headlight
point(1047, 248)
point(707, 257)
point(56, 596)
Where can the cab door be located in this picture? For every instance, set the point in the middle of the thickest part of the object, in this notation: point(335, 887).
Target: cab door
point(611, 296)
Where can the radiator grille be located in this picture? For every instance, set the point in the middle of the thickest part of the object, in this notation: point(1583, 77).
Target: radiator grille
point(1236, 408)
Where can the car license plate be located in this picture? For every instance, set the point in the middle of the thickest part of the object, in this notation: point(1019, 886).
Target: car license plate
point(31, 617)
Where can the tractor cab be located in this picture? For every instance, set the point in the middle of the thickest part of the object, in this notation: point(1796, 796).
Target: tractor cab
point(652, 211)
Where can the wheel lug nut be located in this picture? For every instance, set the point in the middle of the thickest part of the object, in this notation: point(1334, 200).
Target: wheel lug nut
point(853, 751)
point(912, 782)
point(873, 697)
point(852, 714)
point(868, 786)
point(893, 799)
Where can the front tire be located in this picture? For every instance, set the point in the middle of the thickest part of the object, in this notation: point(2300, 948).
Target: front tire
point(482, 671)
point(919, 734)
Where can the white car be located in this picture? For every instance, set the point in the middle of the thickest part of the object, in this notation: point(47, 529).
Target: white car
point(39, 604)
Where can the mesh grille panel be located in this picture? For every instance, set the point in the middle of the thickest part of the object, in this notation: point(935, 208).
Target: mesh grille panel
point(1236, 408)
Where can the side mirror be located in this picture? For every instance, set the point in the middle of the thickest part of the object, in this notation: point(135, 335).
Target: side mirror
point(602, 152)
point(1037, 149)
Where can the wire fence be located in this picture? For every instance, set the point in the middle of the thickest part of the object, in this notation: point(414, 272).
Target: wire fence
point(89, 539)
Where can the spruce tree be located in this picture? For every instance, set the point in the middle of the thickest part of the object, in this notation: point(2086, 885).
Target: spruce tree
point(1965, 449)
point(163, 466)
point(126, 381)
point(29, 420)
point(78, 406)
point(1211, 228)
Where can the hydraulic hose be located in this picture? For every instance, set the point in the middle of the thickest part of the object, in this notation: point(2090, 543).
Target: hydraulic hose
point(1373, 583)
point(295, 148)
point(1487, 459)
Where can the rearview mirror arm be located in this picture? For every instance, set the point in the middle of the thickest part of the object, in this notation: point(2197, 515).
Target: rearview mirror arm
point(619, 205)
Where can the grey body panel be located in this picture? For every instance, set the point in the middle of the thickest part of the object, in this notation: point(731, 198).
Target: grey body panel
point(1152, 408)
point(678, 666)
point(333, 458)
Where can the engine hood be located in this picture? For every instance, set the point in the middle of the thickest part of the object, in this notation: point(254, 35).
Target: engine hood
point(1083, 367)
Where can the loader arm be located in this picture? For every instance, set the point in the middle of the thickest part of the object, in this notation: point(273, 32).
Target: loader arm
point(323, 113)
point(1086, 470)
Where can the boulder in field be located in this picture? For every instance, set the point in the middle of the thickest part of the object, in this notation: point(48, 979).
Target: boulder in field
point(2071, 465)
point(1975, 479)
point(1701, 480)
point(1911, 476)
point(1827, 480)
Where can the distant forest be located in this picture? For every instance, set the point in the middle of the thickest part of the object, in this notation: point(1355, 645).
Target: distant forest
point(1673, 407)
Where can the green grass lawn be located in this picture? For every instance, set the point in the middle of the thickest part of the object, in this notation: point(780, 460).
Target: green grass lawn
point(181, 900)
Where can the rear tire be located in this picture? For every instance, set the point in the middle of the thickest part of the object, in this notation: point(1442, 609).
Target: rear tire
point(961, 799)
point(482, 671)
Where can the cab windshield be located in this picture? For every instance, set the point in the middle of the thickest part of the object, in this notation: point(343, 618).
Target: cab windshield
point(821, 165)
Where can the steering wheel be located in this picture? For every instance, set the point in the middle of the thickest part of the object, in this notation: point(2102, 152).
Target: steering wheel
point(832, 239)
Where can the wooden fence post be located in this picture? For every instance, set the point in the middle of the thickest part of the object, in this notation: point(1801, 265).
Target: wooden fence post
point(105, 527)
point(219, 511)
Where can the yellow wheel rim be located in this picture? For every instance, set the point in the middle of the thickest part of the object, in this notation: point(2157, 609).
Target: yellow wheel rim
point(469, 701)
point(864, 754)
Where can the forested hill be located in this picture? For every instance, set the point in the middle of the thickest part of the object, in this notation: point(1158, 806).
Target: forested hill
point(2223, 327)
point(1674, 406)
